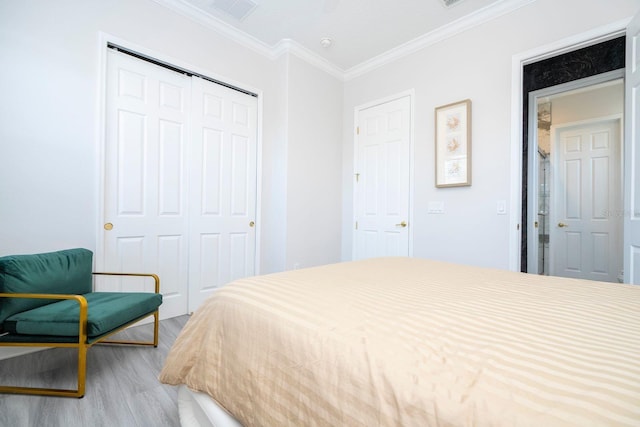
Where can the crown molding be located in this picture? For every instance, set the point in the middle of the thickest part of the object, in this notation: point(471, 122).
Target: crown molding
point(467, 22)
point(294, 48)
point(479, 17)
point(272, 52)
point(218, 25)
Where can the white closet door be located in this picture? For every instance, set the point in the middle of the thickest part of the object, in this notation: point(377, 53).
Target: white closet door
point(145, 210)
point(222, 196)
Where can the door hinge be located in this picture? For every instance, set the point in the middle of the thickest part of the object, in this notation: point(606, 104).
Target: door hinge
point(357, 130)
point(356, 225)
point(357, 177)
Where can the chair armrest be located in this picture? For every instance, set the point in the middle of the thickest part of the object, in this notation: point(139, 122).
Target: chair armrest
point(155, 277)
point(82, 301)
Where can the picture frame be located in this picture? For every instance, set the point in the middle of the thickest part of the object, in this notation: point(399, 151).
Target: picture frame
point(453, 144)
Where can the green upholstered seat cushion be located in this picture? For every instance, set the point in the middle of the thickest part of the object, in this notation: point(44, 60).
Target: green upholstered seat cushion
point(61, 272)
point(106, 311)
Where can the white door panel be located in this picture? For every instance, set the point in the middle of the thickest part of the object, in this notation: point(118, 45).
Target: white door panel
point(383, 180)
point(632, 155)
point(145, 201)
point(586, 226)
point(223, 188)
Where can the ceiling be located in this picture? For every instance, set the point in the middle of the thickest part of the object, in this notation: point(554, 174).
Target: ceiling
point(360, 30)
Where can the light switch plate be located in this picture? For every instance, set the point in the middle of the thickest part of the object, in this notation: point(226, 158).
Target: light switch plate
point(436, 208)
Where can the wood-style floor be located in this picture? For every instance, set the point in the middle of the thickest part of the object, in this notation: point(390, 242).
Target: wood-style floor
point(122, 388)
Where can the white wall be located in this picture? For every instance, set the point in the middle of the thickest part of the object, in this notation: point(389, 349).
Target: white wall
point(601, 102)
point(273, 228)
point(314, 174)
point(50, 115)
point(475, 64)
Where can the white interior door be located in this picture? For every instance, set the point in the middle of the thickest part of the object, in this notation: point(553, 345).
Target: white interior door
point(382, 187)
point(223, 188)
point(145, 211)
point(585, 233)
point(632, 155)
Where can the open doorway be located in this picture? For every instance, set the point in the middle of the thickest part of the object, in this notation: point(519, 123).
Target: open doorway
point(571, 70)
point(575, 181)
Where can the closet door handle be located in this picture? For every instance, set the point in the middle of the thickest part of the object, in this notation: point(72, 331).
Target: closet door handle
point(562, 224)
point(402, 224)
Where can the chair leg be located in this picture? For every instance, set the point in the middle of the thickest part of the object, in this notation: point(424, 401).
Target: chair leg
point(82, 369)
point(156, 327)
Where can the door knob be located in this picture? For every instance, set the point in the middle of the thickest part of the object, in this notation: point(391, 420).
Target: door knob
point(251, 224)
point(562, 224)
point(108, 226)
point(402, 224)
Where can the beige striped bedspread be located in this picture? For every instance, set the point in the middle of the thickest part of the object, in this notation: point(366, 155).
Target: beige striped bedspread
point(411, 342)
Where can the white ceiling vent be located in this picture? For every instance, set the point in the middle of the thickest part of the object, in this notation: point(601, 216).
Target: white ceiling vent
point(449, 3)
point(239, 9)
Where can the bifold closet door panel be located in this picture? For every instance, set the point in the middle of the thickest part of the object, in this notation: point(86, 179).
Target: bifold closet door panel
point(222, 188)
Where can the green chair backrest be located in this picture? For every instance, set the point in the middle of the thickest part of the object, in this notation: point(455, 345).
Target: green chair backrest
point(62, 272)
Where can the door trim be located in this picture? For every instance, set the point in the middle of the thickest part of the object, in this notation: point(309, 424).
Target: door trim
point(356, 111)
point(104, 39)
point(518, 62)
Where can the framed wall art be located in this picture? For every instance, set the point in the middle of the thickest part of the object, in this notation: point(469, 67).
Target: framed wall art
point(453, 144)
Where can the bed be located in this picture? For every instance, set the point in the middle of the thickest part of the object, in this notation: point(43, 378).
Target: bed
point(410, 342)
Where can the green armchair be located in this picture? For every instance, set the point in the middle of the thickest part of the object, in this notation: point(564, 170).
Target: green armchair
point(47, 300)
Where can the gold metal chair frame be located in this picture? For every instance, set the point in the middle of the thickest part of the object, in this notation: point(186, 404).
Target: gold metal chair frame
point(82, 345)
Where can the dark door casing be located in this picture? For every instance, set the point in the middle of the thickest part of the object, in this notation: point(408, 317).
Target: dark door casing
point(586, 62)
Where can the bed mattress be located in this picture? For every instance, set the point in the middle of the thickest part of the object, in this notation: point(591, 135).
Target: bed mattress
point(197, 409)
point(413, 342)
